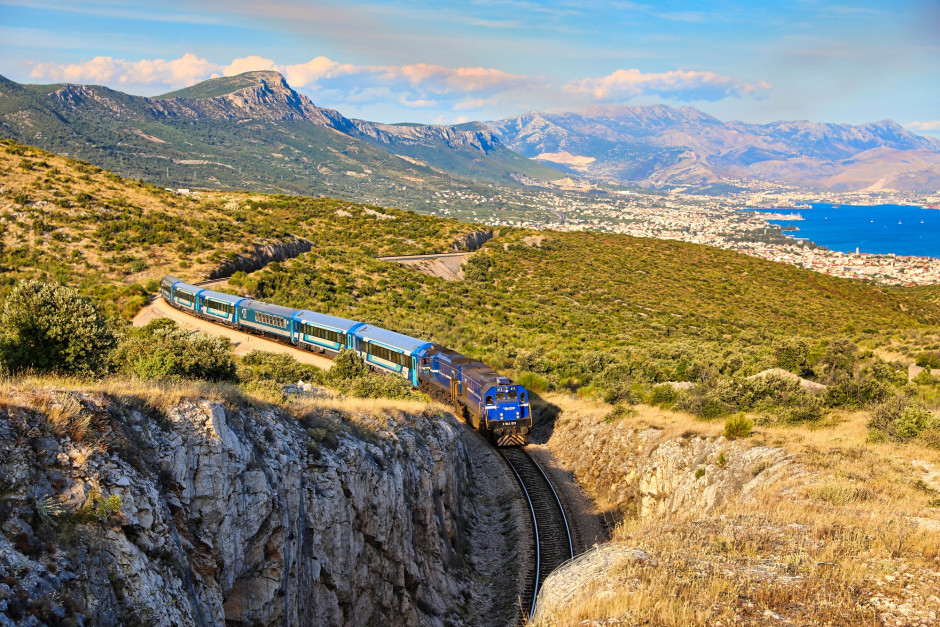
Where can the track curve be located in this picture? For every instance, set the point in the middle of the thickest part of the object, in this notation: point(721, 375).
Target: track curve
point(552, 533)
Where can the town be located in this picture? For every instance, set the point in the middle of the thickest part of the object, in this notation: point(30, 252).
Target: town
point(721, 221)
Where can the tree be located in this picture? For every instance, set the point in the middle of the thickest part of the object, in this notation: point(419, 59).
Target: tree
point(50, 328)
point(839, 359)
point(791, 354)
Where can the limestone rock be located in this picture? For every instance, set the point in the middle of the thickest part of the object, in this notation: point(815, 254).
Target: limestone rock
point(230, 515)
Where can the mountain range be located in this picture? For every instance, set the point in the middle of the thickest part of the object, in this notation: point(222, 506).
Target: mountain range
point(660, 146)
point(253, 131)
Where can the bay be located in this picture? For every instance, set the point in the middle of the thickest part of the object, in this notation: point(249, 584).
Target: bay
point(876, 229)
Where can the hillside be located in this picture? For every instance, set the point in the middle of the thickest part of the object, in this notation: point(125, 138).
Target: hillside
point(141, 492)
point(669, 310)
point(660, 146)
point(253, 131)
point(550, 304)
point(113, 238)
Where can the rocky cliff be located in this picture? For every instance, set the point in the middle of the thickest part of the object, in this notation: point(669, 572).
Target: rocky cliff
point(199, 511)
point(262, 256)
point(471, 241)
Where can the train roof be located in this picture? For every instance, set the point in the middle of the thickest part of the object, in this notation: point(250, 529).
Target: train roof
point(324, 320)
point(485, 374)
point(277, 310)
point(179, 285)
point(169, 280)
point(221, 296)
point(391, 339)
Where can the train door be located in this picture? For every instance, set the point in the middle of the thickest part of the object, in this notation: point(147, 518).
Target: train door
point(455, 392)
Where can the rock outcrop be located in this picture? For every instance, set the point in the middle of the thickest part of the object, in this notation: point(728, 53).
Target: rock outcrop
point(471, 241)
point(647, 472)
point(207, 512)
point(262, 256)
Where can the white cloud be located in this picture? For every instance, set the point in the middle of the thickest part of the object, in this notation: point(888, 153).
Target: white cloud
point(420, 103)
point(475, 103)
point(186, 70)
point(303, 74)
point(924, 127)
point(440, 79)
point(415, 86)
point(252, 63)
point(676, 84)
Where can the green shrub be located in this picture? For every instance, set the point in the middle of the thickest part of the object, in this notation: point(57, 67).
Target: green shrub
point(347, 365)
point(929, 359)
point(533, 361)
point(619, 412)
point(383, 386)
point(900, 418)
point(792, 354)
point(351, 376)
point(738, 426)
point(808, 408)
point(98, 508)
point(532, 382)
point(161, 349)
point(50, 328)
point(663, 395)
point(279, 367)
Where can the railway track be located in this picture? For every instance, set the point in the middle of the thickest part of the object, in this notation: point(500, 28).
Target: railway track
point(552, 534)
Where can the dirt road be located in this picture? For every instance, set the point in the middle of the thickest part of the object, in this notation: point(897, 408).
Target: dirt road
point(448, 266)
point(242, 343)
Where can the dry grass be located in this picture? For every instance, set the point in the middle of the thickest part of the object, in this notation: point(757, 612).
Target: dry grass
point(848, 537)
point(809, 565)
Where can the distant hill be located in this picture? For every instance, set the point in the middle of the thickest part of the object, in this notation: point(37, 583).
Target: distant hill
point(660, 146)
point(253, 131)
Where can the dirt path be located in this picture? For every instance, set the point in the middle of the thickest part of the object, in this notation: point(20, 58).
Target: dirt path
point(448, 266)
point(242, 343)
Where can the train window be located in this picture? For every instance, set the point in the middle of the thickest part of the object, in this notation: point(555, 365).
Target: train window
point(220, 306)
point(324, 334)
point(388, 355)
point(512, 395)
point(522, 398)
point(274, 321)
point(500, 396)
point(489, 400)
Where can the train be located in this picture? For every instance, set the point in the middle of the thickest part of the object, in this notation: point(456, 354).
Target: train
point(494, 404)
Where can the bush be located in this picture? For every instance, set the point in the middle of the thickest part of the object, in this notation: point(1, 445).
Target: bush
point(663, 395)
point(279, 367)
point(351, 376)
point(738, 426)
point(533, 361)
point(383, 386)
point(840, 358)
point(163, 350)
point(532, 382)
point(347, 365)
point(807, 409)
point(902, 419)
point(792, 354)
point(50, 328)
point(929, 359)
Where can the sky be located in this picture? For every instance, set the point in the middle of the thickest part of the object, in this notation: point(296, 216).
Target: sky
point(447, 61)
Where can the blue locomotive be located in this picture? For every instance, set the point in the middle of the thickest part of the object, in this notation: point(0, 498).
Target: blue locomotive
point(492, 403)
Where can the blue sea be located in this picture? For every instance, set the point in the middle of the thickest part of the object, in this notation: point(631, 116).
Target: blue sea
point(880, 229)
